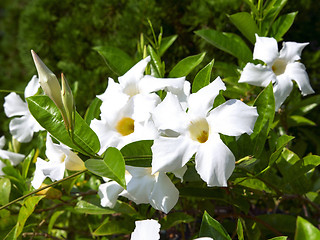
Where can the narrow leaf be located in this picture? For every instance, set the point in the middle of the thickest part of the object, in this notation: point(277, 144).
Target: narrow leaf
point(282, 25)
point(5, 189)
point(202, 78)
point(240, 230)
point(93, 111)
point(112, 166)
point(155, 62)
point(166, 43)
point(26, 164)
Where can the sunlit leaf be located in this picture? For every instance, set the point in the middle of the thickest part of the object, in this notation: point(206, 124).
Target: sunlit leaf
point(5, 189)
point(202, 78)
point(212, 228)
point(305, 230)
point(282, 25)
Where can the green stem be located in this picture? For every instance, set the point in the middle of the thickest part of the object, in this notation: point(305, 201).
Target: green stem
point(10, 91)
point(40, 189)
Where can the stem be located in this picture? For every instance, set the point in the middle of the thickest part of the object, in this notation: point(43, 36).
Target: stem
point(10, 91)
point(40, 189)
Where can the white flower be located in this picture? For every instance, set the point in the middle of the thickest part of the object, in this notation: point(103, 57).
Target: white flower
point(14, 158)
point(22, 128)
point(280, 68)
point(60, 158)
point(142, 187)
point(197, 132)
point(149, 230)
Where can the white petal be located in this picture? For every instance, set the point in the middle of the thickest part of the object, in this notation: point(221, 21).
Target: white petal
point(214, 162)
point(146, 230)
point(179, 173)
point(39, 177)
point(23, 128)
point(109, 192)
point(134, 75)
point(257, 75)
point(282, 90)
point(32, 87)
point(265, 49)
point(170, 115)
point(53, 151)
point(164, 195)
point(73, 161)
point(144, 105)
point(150, 84)
point(14, 158)
point(232, 118)
point(201, 102)
point(2, 142)
point(14, 106)
point(297, 72)
point(291, 51)
point(170, 154)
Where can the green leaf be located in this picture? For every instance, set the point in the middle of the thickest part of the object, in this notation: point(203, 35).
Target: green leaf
point(240, 230)
point(26, 164)
point(138, 153)
point(227, 42)
point(5, 189)
point(282, 141)
point(53, 219)
point(282, 25)
point(89, 208)
point(186, 65)
point(26, 210)
point(285, 223)
point(305, 230)
point(166, 43)
point(296, 120)
point(14, 175)
point(212, 228)
point(93, 111)
point(246, 25)
point(112, 166)
point(156, 62)
point(111, 227)
point(49, 117)
point(265, 104)
point(202, 78)
point(117, 60)
point(175, 218)
point(279, 238)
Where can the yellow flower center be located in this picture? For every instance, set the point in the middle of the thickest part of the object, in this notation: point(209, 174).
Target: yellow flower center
point(199, 130)
point(279, 66)
point(125, 126)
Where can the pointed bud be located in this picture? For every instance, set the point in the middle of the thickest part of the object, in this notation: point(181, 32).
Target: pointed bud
point(68, 103)
point(48, 81)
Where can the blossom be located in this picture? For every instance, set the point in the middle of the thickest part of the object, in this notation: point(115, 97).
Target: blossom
point(14, 158)
point(142, 187)
point(24, 127)
point(149, 230)
point(280, 68)
point(60, 158)
point(196, 131)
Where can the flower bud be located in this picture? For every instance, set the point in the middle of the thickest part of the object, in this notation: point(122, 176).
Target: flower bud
point(48, 81)
point(68, 103)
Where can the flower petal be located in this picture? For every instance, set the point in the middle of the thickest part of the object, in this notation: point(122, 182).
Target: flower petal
point(146, 230)
point(109, 192)
point(23, 128)
point(179, 173)
point(291, 51)
point(266, 49)
point(297, 72)
point(2, 142)
point(257, 75)
point(14, 158)
point(170, 115)
point(164, 195)
point(14, 106)
point(32, 87)
point(149, 84)
point(170, 154)
point(214, 162)
point(232, 118)
point(201, 102)
point(143, 105)
point(53, 151)
point(282, 90)
point(134, 75)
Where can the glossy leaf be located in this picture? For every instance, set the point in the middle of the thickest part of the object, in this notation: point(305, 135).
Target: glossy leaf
point(202, 78)
point(116, 59)
point(246, 25)
point(305, 230)
point(186, 65)
point(49, 117)
point(166, 43)
point(5, 189)
point(138, 153)
point(156, 64)
point(93, 111)
point(279, 238)
point(212, 228)
point(296, 120)
point(112, 166)
point(227, 42)
point(282, 25)
point(282, 141)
